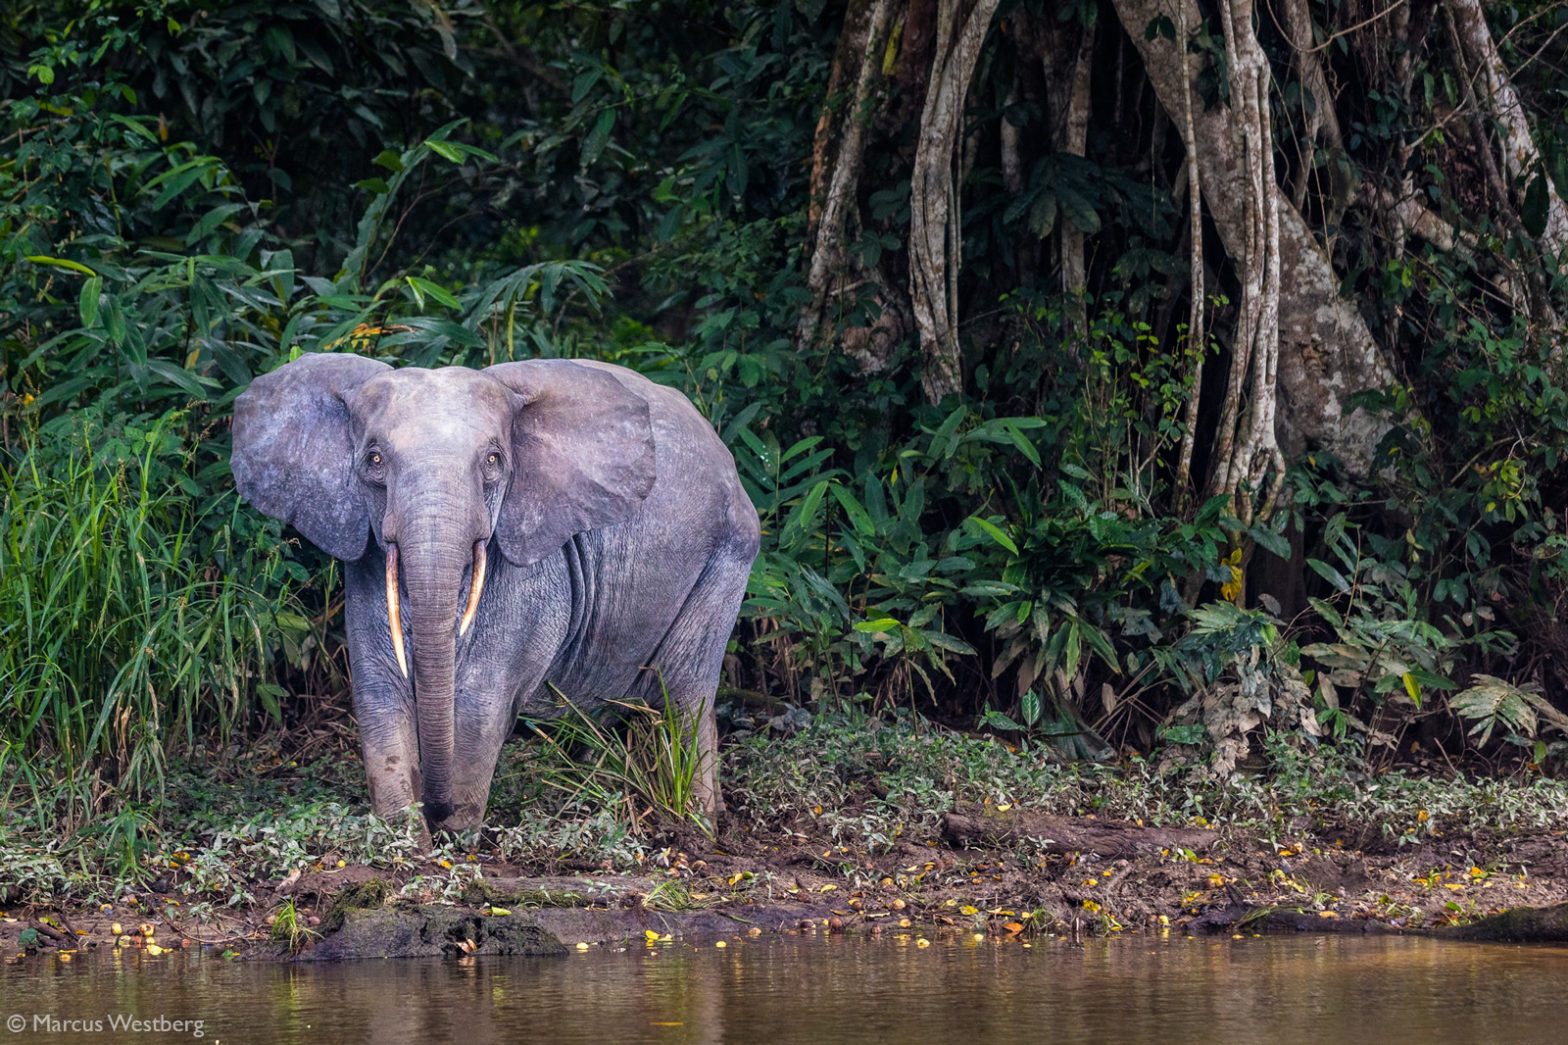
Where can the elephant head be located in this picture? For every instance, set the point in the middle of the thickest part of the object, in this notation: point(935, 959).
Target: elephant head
point(434, 465)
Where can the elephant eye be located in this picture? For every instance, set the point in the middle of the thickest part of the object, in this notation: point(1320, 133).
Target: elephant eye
point(374, 459)
point(493, 460)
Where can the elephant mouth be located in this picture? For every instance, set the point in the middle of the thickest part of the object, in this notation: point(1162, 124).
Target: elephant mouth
point(395, 610)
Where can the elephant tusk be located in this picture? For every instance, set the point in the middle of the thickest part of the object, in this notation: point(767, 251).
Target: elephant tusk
point(474, 588)
point(394, 612)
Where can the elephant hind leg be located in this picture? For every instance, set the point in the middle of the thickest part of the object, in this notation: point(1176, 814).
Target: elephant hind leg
point(684, 669)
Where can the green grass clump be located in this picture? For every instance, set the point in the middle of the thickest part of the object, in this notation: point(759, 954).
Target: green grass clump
point(642, 761)
point(127, 623)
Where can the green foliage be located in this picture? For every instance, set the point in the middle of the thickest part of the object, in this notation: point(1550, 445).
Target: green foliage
point(1233, 663)
point(636, 759)
point(1491, 702)
point(289, 928)
point(131, 619)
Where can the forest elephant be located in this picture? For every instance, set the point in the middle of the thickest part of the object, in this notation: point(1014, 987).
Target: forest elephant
point(510, 536)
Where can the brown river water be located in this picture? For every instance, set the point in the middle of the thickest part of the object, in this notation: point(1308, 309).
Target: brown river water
point(776, 991)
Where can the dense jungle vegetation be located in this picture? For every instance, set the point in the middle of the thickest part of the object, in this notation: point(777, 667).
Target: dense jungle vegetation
point(1115, 375)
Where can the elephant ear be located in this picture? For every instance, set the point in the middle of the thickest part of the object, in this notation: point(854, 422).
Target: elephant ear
point(582, 447)
point(294, 450)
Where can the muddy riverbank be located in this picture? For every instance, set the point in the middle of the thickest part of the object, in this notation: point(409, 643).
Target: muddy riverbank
point(1092, 877)
point(839, 827)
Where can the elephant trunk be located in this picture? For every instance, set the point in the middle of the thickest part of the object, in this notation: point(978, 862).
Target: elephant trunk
point(433, 574)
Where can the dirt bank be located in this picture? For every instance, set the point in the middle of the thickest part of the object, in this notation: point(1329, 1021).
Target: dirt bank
point(1082, 875)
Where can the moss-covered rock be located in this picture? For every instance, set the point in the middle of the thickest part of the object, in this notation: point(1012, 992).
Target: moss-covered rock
point(480, 892)
point(1520, 925)
point(430, 932)
point(369, 895)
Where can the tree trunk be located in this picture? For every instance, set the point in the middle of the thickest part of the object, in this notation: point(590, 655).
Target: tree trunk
point(1519, 154)
point(1075, 140)
point(1247, 458)
point(935, 246)
point(1325, 349)
point(1197, 333)
point(834, 181)
point(1322, 123)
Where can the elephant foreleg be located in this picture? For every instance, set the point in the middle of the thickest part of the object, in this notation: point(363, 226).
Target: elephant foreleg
point(479, 740)
point(390, 746)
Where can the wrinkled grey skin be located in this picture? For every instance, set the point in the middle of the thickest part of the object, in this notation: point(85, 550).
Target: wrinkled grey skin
point(618, 543)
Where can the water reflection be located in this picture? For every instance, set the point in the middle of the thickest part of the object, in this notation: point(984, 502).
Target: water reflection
point(782, 991)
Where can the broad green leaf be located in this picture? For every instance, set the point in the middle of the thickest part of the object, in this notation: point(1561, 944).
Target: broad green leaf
point(993, 719)
point(951, 643)
point(990, 529)
point(858, 517)
point(584, 83)
point(1030, 706)
point(1270, 541)
point(423, 287)
point(597, 138)
point(1328, 573)
point(87, 302)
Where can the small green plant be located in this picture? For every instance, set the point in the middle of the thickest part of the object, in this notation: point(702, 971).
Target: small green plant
point(676, 895)
point(1491, 702)
point(1050, 721)
point(290, 930)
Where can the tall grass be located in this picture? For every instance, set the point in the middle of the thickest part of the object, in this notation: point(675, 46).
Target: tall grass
point(639, 760)
point(121, 637)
